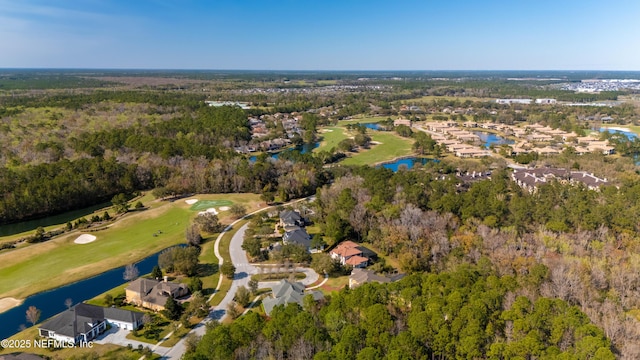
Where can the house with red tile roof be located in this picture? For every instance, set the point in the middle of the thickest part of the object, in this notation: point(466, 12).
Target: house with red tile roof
point(352, 254)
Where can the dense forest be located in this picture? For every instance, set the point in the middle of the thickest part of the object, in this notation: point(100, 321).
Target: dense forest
point(495, 273)
point(467, 312)
point(429, 223)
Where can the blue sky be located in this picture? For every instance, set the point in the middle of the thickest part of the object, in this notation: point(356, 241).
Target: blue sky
point(321, 34)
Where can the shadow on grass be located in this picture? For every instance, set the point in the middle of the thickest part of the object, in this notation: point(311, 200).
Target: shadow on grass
point(205, 270)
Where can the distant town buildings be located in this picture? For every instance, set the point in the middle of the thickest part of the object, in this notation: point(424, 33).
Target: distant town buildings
point(242, 105)
point(596, 86)
point(544, 140)
point(513, 101)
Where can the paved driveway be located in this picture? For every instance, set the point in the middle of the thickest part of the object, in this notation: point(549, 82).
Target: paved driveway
point(117, 336)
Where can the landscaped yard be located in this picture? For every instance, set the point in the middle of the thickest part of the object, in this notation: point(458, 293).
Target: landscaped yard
point(334, 284)
point(60, 261)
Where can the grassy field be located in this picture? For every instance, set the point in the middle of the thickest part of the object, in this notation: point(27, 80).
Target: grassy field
point(330, 138)
point(392, 146)
point(60, 261)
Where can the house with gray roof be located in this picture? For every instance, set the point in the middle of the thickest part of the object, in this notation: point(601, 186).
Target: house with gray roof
point(287, 292)
point(84, 322)
point(153, 294)
point(299, 237)
point(290, 218)
point(363, 276)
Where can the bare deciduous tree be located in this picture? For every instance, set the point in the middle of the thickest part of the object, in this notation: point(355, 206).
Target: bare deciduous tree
point(33, 314)
point(130, 272)
point(68, 303)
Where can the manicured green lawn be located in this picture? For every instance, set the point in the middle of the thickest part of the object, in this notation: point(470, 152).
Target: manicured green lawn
point(392, 146)
point(60, 261)
point(331, 136)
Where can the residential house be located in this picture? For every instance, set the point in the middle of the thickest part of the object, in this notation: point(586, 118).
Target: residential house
point(287, 292)
point(153, 294)
point(298, 236)
point(406, 122)
point(530, 179)
point(290, 218)
point(513, 101)
point(546, 101)
point(363, 276)
point(84, 322)
point(352, 254)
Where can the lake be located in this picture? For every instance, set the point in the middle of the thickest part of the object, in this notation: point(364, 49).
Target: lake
point(628, 133)
point(372, 126)
point(52, 302)
point(489, 139)
point(304, 149)
point(406, 163)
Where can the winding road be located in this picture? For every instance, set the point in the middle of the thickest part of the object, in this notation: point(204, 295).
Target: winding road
point(243, 273)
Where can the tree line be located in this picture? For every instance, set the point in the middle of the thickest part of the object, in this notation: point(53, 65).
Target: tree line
point(583, 238)
point(465, 313)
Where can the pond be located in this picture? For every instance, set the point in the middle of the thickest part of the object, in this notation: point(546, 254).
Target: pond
point(615, 130)
point(406, 163)
point(53, 301)
point(489, 139)
point(372, 126)
point(304, 149)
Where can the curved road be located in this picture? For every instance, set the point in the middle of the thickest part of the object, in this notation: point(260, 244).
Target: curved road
point(244, 270)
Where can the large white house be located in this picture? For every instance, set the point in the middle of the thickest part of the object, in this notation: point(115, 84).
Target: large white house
point(83, 323)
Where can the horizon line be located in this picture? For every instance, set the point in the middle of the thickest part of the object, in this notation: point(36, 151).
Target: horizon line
point(314, 70)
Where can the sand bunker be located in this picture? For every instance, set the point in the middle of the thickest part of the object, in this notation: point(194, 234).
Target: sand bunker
point(209, 210)
point(224, 208)
point(191, 201)
point(8, 303)
point(84, 239)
